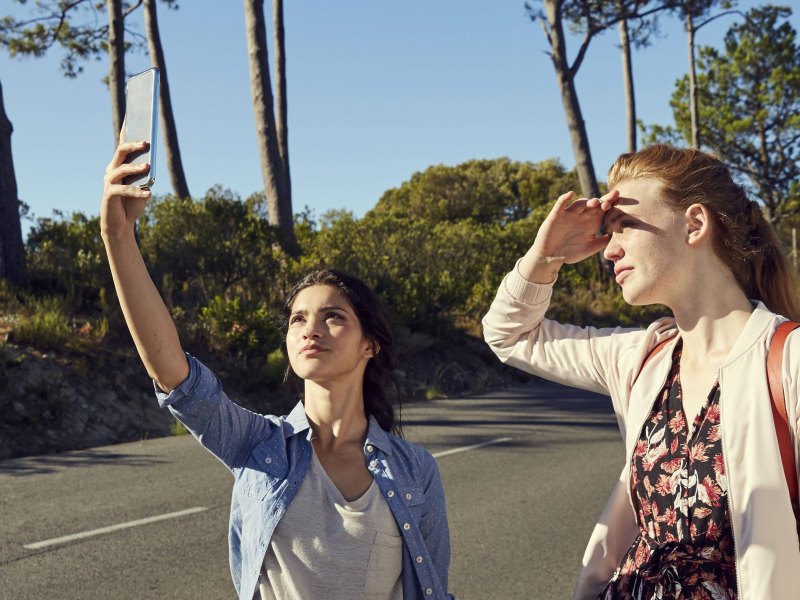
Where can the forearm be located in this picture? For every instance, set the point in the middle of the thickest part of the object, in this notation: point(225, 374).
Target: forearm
point(146, 315)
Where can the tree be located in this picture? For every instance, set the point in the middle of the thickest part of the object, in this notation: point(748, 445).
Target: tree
point(73, 26)
point(750, 107)
point(590, 17)
point(633, 32)
point(12, 251)
point(274, 164)
point(172, 150)
point(116, 64)
point(691, 11)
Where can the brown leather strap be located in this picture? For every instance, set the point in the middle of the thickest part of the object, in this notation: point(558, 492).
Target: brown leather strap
point(775, 378)
point(653, 351)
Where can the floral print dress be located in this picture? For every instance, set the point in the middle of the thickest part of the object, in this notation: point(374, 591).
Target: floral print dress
point(685, 547)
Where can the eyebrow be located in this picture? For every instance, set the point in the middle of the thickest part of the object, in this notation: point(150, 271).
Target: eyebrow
point(303, 311)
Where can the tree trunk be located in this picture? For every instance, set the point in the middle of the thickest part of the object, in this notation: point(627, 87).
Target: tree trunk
point(12, 250)
point(172, 151)
point(695, 128)
point(276, 186)
point(627, 79)
point(572, 111)
point(569, 99)
point(116, 64)
point(281, 122)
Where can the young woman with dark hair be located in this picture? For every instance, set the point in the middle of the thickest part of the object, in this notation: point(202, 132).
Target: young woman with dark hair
point(329, 502)
point(702, 509)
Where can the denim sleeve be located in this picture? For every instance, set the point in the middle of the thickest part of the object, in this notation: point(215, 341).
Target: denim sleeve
point(433, 525)
point(223, 427)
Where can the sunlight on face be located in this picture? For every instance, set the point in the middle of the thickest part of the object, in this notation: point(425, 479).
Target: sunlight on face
point(324, 340)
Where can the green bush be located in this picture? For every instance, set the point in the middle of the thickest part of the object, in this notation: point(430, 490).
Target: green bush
point(46, 326)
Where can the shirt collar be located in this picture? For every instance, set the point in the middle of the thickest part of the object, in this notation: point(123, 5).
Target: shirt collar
point(297, 420)
point(378, 437)
point(298, 423)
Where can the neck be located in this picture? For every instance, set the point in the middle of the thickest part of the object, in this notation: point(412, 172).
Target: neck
point(336, 412)
point(710, 320)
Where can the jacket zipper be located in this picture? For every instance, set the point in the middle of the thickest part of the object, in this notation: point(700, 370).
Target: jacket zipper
point(730, 494)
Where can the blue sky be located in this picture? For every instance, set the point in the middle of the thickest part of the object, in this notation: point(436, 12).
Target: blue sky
point(377, 91)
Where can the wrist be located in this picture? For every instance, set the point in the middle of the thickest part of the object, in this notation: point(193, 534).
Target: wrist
point(115, 237)
point(538, 268)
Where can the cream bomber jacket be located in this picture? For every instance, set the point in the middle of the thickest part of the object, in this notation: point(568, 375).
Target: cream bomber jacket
point(607, 361)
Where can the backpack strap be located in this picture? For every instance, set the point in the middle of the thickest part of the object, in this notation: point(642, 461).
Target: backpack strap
point(775, 379)
point(653, 351)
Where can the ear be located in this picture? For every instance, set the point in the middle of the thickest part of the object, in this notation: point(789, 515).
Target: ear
point(698, 224)
point(371, 349)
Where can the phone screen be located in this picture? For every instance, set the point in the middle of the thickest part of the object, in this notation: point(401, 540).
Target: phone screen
point(141, 124)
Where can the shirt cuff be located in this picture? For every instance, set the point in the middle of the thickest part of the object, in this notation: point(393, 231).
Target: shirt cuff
point(527, 292)
point(184, 388)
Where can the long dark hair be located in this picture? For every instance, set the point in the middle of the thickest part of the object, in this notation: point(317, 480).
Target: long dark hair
point(375, 327)
point(743, 238)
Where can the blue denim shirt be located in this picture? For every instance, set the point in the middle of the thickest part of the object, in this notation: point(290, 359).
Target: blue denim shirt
point(269, 457)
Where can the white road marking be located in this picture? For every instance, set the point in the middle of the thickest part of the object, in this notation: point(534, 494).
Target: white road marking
point(473, 447)
point(94, 532)
point(110, 528)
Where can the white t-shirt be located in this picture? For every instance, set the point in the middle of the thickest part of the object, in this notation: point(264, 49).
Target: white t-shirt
point(327, 548)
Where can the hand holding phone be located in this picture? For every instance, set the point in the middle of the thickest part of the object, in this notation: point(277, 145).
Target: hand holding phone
point(141, 124)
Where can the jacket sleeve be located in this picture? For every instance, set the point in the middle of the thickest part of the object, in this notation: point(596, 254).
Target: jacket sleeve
point(791, 382)
point(223, 427)
point(586, 357)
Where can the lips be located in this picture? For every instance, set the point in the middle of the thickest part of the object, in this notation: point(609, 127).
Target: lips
point(312, 350)
point(620, 273)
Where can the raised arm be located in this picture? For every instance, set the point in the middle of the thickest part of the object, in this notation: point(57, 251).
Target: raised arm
point(145, 313)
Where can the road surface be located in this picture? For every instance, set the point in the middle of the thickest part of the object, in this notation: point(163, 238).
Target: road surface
point(526, 472)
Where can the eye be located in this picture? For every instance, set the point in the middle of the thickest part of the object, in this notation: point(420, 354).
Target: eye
point(295, 319)
point(334, 315)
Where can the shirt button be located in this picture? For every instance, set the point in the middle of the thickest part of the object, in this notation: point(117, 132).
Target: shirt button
point(429, 591)
point(373, 463)
point(370, 448)
point(406, 526)
point(268, 460)
point(390, 493)
point(419, 559)
point(408, 496)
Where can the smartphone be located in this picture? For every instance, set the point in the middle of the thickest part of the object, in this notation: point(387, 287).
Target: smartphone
point(141, 124)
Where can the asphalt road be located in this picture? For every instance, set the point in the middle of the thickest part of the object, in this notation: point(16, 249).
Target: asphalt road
point(520, 510)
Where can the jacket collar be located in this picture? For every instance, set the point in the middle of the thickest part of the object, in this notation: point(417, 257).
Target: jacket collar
point(298, 423)
point(760, 321)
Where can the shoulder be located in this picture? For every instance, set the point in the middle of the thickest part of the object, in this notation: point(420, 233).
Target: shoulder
point(416, 460)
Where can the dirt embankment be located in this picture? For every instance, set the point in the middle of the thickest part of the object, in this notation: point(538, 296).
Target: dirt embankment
point(51, 403)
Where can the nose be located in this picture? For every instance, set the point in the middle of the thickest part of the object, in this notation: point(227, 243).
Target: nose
point(613, 250)
point(311, 330)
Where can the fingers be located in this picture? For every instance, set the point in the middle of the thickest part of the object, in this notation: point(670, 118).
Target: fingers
point(122, 152)
point(599, 243)
point(127, 191)
point(116, 174)
point(563, 201)
point(607, 201)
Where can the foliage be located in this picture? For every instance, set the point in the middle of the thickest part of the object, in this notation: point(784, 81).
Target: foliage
point(749, 97)
point(66, 257)
point(77, 27)
point(435, 249)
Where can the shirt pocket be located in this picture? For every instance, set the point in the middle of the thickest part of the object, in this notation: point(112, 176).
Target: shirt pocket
point(414, 499)
point(385, 567)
